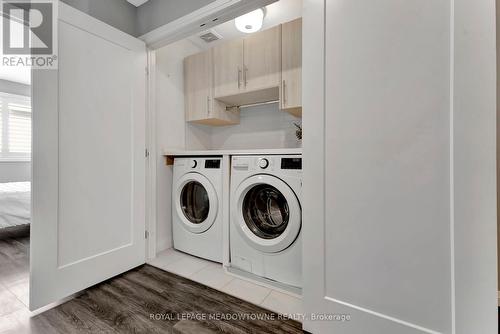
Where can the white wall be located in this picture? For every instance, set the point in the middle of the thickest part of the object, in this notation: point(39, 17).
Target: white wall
point(171, 128)
point(262, 126)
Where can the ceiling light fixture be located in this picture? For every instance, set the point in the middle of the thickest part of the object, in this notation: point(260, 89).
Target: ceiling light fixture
point(250, 22)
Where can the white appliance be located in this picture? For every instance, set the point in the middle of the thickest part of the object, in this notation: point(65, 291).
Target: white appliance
point(197, 204)
point(266, 217)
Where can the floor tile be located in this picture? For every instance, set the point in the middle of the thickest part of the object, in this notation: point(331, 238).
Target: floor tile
point(186, 266)
point(17, 322)
point(213, 276)
point(21, 290)
point(248, 291)
point(9, 302)
point(282, 303)
point(166, 257)
point(8, 323)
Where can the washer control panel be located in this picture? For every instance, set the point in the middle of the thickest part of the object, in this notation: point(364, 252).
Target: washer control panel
point(212, 163)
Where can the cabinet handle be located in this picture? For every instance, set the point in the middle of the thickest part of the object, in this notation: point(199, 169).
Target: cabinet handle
point(245, 73)
point(283, 92)
point(208, 105)
point(239, 77)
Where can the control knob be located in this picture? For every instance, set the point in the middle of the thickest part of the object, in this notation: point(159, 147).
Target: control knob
point(263, 163)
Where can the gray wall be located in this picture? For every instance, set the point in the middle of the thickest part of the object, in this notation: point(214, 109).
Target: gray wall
point(14, 88)
point(156, 13)
point(137, 21)
point(117, 13)
point(15, 171)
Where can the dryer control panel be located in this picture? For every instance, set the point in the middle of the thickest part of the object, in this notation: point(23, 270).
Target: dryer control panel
point(269, 163)
point(291, 163)
point(198, 163)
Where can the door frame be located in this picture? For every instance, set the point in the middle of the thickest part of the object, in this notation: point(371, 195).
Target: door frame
point(472, 138)
point(152, 156)
point(223, 10)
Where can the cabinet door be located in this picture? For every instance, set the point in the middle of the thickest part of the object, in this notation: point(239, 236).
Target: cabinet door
point(262, 59)
point(197, 86)
point(228, 68)
point(291, 65)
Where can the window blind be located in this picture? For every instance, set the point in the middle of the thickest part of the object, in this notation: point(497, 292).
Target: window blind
point(15, 127)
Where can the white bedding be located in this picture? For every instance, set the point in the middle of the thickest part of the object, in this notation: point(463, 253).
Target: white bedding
point(15, 198)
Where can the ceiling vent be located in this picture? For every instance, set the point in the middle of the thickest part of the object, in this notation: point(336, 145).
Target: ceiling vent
point(210, 36)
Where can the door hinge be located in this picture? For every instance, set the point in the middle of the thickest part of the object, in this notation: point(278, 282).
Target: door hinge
point(146, 234)
point(146, 153)
point(146, 70)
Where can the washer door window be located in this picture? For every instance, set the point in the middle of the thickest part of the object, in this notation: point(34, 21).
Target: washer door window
point(196, 202)
point(267, 213)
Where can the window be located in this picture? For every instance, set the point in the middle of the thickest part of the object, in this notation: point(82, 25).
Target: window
point(15, 127)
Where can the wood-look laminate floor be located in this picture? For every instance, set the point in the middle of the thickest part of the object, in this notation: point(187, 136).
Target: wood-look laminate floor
point(143, 300)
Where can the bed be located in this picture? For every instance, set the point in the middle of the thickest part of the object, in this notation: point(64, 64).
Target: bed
point(15, 204)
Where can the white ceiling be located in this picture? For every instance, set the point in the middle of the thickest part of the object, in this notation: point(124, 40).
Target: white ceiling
point(137, 3)
point(276, 13)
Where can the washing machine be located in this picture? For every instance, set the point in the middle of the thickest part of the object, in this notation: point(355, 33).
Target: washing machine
point(197, 205)
point(266, 217)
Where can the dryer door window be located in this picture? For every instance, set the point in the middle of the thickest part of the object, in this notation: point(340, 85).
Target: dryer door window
point(195, 203)
point(265, 211)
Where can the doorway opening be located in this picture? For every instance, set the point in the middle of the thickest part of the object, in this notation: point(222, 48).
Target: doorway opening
point(15, 188)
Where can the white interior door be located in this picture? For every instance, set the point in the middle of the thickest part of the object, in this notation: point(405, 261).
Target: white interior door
point(377, 238)
point(88, 160)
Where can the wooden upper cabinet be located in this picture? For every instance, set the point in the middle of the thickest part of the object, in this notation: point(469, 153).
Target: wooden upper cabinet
point(248, 70)
point(228, 68)
point(197, 86)
point(291, 67)
point(200, 105)
point(262, 67)
point(262, 59)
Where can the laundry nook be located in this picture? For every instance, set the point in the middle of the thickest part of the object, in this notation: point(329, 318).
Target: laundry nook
point(249, 166)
